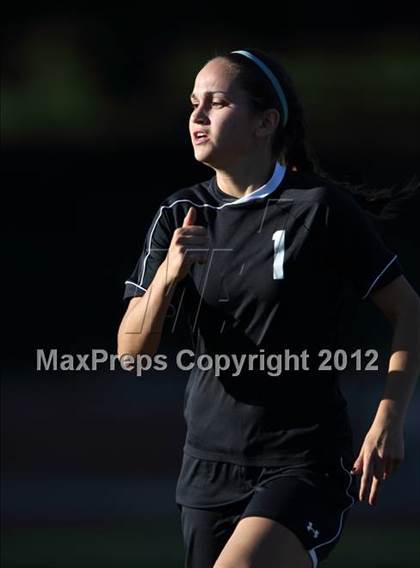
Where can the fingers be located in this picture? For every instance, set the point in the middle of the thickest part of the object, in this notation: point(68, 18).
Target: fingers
point(358, 465)
point(376, 483)
point(374, 471)
point(190, 217)
point(192, 230)
point(379, 457)
point(366, 480)
point(195, 247)
point(193, 240)
point(378, 474)
point(190, 244)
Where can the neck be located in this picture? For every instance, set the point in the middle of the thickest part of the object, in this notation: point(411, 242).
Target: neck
point(245, 177)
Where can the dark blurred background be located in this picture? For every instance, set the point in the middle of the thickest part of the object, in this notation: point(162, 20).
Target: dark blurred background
point(94, 111)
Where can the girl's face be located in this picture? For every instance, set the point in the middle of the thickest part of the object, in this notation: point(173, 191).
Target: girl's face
point(222, 124)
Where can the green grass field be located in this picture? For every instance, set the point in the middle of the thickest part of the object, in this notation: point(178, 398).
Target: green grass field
point(159, 545)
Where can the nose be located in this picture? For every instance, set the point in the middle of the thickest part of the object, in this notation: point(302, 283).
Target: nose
point(199, 116)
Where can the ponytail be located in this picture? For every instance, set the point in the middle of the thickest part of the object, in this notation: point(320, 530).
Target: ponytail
point(384, 204)
point(290, 143)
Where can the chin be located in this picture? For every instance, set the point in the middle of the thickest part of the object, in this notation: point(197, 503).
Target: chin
point(210, 157)
point(204, 157)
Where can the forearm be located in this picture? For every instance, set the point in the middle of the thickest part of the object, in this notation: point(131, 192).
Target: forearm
point(141, 329)
point(403, 369)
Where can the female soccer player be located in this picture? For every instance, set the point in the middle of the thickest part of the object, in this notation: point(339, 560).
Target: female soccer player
point(264, 254)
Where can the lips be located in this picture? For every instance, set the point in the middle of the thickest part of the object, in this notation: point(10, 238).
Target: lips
point(200, 136)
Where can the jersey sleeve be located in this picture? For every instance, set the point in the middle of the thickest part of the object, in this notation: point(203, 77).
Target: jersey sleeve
point(154, 250)
point(358, 249)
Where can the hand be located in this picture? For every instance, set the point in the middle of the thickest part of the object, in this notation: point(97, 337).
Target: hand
point(381, 454)
point(191, 239)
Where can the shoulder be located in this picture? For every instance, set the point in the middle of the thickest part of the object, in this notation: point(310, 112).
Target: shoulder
point(174, 207)
point(308, 186)
point(187, 196)
point(333, 196)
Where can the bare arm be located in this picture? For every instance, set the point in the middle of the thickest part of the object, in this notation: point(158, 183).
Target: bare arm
point(401, 305)
point(141, 328)
point(383, 447)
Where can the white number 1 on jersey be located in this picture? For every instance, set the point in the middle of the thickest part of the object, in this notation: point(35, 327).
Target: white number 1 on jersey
point(279, 242)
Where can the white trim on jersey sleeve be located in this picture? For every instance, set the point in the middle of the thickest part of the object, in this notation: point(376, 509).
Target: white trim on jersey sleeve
point(379, 275)
point(134, 284)
point(261, 192)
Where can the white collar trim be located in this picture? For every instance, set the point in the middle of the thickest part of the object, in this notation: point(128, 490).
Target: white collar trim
point(264, 190)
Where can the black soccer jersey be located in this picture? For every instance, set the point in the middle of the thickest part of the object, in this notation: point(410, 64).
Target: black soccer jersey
point(281, 259)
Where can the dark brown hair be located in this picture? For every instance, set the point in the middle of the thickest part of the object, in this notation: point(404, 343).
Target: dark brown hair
point(291, 141)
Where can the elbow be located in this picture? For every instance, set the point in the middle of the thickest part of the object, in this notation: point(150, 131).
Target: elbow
point(406, 311)
point(131, 361)
point(408, 320)
point(410, 311)
point(127, 349)
point(122, 344)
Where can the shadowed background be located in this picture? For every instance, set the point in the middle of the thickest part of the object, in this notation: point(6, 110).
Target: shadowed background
point(94, 112)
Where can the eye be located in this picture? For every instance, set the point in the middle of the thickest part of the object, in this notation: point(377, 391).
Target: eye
point(194, 105)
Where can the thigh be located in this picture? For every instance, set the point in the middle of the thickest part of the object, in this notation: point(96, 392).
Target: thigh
point(260, 542)
point(312, 505)
point(206, 531)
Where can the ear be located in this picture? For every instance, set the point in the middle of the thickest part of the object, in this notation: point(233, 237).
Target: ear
point(267, 123)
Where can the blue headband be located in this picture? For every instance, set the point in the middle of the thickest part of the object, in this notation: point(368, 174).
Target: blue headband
point(273, 80)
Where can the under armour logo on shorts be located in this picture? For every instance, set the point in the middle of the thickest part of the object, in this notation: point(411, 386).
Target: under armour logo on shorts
point(310, 528)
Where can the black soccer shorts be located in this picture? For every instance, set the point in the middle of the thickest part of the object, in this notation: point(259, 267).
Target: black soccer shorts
point(213, 496)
